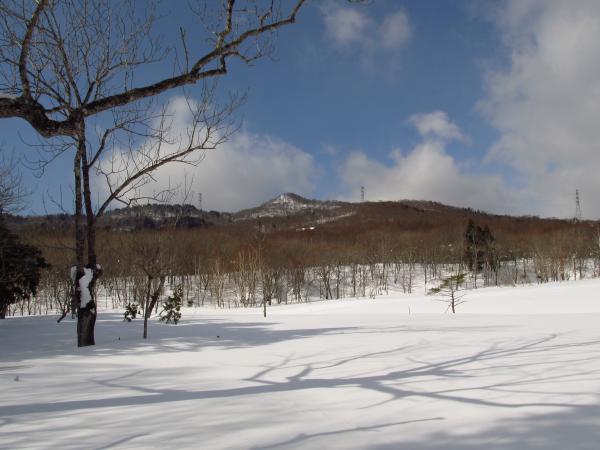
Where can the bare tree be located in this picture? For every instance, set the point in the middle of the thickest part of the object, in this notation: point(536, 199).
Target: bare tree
point(70, 68)
point(152, 259)
point(12, 192)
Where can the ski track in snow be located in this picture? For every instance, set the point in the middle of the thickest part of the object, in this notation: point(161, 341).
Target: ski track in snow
point(515, 368)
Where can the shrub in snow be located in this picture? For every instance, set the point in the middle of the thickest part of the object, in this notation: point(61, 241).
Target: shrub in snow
point(171, 312)
point(131, 312)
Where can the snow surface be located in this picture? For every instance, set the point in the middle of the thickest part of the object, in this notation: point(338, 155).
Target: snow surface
point(352, 374)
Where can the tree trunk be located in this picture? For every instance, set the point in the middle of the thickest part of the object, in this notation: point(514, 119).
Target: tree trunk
point(86, 315)
point(86, 321)
point(89, 210)
point(146, 316)
point(3, 311)
point(153, 302)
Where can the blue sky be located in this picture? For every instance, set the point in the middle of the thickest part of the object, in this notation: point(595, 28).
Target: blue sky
point(483, 104)
point(319, 95)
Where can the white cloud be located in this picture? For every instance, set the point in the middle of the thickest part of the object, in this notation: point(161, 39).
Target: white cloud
point(427, 172)
point(252, 168)
point(349, 27)
point(395, 30)
point(546, 105)
point(437, 124)
point(346, 26)
point(242, 172)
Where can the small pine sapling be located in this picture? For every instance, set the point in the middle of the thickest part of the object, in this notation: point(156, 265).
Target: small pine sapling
point(171, 312)
point(131, 312)
point(451, 290)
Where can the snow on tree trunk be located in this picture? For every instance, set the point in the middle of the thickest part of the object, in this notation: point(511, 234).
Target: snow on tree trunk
point(85, 282)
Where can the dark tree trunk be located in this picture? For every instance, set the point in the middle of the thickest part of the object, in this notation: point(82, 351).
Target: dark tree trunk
point(86, 321)
point(79, 237)
point(62, 316)
point(153, 301)
point(86, 314)
point(146, 316)
point(89, 211)
point(147, 307)
point(3, 311)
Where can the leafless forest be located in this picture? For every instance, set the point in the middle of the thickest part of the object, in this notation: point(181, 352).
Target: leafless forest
point(380, 247)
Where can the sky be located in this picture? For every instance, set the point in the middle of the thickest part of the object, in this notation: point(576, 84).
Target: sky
point(493, 105)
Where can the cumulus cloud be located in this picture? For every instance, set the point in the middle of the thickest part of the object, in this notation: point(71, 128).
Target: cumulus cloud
point(437, 124)
point(349, 27)
point(546, 104)
point(242, 172)
point(427, 172)
point(251, 168)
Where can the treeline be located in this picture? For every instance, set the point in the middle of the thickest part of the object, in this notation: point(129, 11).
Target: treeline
point(245, 266)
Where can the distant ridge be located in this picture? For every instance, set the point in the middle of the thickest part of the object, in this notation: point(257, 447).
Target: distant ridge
point(286, 211)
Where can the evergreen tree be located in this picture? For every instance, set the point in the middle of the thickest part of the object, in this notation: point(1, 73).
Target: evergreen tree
point(131, 312)
point(479, 247)
point(171, 312)
point(20, 269)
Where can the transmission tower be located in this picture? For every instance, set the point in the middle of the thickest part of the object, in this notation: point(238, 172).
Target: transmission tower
point(200, 201)
point(577, 206)
point(362, 193)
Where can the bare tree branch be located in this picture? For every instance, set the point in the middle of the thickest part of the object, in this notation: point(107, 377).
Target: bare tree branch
point(92, 102)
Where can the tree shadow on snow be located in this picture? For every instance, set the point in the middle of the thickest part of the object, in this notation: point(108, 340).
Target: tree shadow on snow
point(573, 428)
point(113, 337)
point(393, 384)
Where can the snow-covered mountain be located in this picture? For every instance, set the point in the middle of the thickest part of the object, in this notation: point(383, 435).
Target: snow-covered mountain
point(288, 204)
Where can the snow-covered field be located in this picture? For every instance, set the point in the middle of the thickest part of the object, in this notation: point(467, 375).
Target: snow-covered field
point(516, 368)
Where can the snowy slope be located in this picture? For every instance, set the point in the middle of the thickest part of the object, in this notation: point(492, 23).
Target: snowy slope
point(288, 204)
point(358, 374)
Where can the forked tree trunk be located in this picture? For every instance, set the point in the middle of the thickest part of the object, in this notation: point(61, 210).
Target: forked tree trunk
point(153, 302)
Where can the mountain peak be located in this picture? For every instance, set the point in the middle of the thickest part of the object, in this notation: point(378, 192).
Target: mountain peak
point(289, 198)
point(287, 204)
